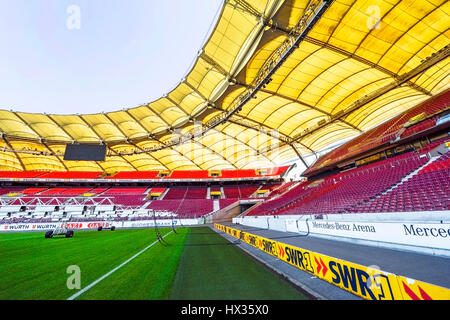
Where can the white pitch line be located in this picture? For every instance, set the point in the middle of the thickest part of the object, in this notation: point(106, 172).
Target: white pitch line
point(112, 271)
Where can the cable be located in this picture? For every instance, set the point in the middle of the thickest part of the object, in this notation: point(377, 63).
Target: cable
point(173, 226)
point(307, 226)
point(159, 237)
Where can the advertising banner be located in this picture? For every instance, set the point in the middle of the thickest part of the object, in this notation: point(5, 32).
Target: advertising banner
point(93, 225)
point(52, 225)
point(367, 282)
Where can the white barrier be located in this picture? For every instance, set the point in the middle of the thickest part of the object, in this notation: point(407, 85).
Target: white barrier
point(93, 225)
point(277, 224)
point(431, 237)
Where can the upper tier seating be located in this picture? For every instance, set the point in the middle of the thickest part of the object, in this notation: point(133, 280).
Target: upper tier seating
point(240, 191)
point(21, 174)
point(226, 202)
point(248, 173)
point(135, 175)
point(183, 208)
point(279, 189)
point(71, 175)
point(157, 190)
point(164, 205)
point(277, 203)
point(387, 131)
point(55, 191)
point(76, 191)
point(189, 174)
point(215, 189)
point(142, 175)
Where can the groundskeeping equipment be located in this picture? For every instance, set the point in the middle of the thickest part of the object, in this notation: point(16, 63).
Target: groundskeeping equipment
point(60, 231)
point(112, 228)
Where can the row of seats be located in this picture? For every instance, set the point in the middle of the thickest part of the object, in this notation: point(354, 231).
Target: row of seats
point(24, 220)
point(188, 202)
point(429, 190)
point(237, 191)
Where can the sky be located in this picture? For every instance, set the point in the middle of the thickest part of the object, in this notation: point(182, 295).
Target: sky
point(89, 56)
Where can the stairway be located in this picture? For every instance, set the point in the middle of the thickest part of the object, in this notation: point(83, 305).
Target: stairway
point(407, 177)
point(396, 185)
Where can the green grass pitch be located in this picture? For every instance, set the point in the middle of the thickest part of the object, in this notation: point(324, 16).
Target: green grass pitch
point(196, 264)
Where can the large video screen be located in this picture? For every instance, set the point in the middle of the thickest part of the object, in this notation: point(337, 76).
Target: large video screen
point(86, 152)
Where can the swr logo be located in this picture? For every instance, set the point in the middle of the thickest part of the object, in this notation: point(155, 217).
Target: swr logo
point(359, 281)
point(298, 258)
point(269, 247)
point(252, 240)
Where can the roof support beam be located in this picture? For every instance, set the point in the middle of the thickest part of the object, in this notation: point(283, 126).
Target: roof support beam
point(215, 153)
point(193, 139)
point(244, 143)
point(303, 104)
point(299, 156)
point(120, 156)
point(57, 157)
point(43, 142)
point(130, 142)
point(143, 151)
point(196, 91)
point(355, 57)
point(282, 137)
point(312, 14)
point(170, 145)
point(244, 6)
point(425, 65)
point(208, 102)
point(177, 105)
point(366, 62)
point(214, 64)
point(15, 154)
point(260, 126)
point(92, 128)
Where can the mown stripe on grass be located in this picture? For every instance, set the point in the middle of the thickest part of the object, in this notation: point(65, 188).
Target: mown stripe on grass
point(74, 296)
point(213, 268)
point(149, 276)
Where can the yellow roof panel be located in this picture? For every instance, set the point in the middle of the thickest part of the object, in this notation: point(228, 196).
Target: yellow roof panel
point(318, 94)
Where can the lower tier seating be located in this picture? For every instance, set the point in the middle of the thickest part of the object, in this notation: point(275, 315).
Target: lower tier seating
point(428, 190)
point(382, 186)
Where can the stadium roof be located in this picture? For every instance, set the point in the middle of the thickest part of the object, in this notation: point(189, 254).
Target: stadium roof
point(276, 80)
